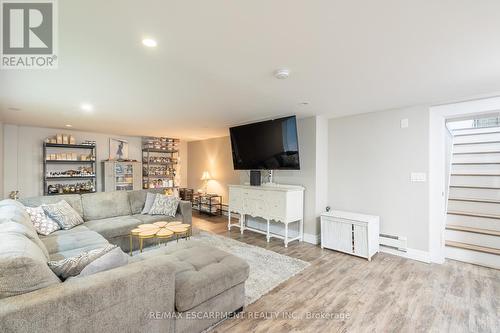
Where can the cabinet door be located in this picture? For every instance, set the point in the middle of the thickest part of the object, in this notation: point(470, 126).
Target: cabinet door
point(360, 240)
point(337, 235)
point(254, 207)
point(276, 205)
point(124, 176)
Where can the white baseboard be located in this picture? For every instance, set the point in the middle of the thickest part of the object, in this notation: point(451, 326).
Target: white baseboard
point(414, 254)
point(312, 239)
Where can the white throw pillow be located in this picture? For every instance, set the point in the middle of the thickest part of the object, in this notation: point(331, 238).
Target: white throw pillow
point(74, 265)
point(165, 205)
point(114, 258)
point(150, 199)
point(63, 214)
point(43, 224)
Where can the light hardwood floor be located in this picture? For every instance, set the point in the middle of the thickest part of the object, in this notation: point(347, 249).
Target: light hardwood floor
point(388, 294)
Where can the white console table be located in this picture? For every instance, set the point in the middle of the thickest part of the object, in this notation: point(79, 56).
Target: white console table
point(280, 203)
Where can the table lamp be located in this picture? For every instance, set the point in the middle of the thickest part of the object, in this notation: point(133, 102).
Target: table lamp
point(205, 177)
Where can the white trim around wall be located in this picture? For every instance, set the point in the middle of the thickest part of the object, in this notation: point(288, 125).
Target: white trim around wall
point(419, 255)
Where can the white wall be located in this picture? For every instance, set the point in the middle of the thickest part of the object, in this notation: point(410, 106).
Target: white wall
point(23, 155)
point(370, 161)
point(448, 147)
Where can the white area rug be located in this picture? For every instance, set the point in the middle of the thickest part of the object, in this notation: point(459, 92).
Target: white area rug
point(268, 269)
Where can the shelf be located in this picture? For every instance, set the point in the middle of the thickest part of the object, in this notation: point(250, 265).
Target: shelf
point(158, 177)
point(160, 188)
point(153, 150)
point(160, 163)
point(70, 178)
point(60, 145)
point(68, 162)
point(84, 192)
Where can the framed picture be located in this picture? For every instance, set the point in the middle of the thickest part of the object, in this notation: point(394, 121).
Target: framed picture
point(118, 149)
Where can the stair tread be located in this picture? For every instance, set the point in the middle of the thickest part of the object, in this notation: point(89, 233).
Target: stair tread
point(473, 230)
point(474, 143)
point(475, 200)
point(474, 163)
point(480, 133)
point(473, 247)
point(476, 174)
point(489, 216)
point(477, 152)
point(478, 187)
point(474, 128)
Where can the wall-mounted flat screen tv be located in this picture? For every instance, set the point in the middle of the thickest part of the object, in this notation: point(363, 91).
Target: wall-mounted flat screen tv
point(266, 145)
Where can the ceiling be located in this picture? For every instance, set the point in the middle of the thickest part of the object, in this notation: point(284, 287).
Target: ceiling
point(214, 63)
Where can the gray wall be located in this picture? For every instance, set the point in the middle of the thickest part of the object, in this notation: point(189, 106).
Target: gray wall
point(1, 161)
point(370, 161)
point(306, 176)
point(23, 156)
point(322, 174)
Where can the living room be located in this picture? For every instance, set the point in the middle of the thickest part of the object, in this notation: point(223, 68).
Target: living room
point(189, 166)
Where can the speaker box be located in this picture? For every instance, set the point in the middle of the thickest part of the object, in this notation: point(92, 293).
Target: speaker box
point(255, 177)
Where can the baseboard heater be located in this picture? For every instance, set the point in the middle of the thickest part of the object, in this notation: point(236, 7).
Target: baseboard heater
point(394, 242)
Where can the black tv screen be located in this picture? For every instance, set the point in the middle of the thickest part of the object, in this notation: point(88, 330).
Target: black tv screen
point(266, 145)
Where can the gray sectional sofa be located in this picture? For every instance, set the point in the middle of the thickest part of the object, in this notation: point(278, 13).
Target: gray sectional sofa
point(110, 214)
point(183, 287)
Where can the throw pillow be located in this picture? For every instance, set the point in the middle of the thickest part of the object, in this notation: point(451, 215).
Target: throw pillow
point(43, 224)
point(150, 199)
point(165, 205)
point(63, 214)
point(114, 258)
point(74, 265)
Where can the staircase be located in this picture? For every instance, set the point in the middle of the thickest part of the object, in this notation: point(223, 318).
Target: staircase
point(473, 214)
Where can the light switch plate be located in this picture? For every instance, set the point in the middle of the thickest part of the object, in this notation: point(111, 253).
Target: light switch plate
point(404, 123)
point(418, 177)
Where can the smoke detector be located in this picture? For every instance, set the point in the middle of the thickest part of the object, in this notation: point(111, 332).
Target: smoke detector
point(282, 73)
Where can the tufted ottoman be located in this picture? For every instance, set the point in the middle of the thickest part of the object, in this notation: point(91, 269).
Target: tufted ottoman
point(209, 283)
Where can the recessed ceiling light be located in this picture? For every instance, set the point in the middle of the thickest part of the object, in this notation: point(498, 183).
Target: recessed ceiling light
point(149, 42)
point(86, 107)
point(305, 103)
point(282, 73)
point(68, 125)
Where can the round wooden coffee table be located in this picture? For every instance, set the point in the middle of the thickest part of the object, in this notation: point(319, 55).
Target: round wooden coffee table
point(159, 230)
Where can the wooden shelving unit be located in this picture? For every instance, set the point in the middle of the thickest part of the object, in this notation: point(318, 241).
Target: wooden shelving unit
point(47, 163)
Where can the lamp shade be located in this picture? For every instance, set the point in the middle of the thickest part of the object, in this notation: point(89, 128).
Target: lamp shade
point(206, 175)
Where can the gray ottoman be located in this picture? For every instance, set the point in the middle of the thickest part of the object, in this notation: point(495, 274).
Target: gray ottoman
point(208, 283)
